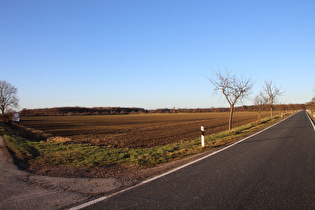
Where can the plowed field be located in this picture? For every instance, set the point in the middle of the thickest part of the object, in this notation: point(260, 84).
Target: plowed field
point(136, 131)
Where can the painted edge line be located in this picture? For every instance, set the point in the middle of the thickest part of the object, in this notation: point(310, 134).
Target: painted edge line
point(312, 122)
point(173, 170)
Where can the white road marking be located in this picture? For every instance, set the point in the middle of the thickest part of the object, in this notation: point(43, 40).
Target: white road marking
point(171, 171)
point(310, 120)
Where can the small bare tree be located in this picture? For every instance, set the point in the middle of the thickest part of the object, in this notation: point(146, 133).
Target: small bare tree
point(8, 96)
point(233, 88)
point(272, 94)
point(260, 102)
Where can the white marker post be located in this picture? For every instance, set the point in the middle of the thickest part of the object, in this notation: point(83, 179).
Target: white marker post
point(202, 136)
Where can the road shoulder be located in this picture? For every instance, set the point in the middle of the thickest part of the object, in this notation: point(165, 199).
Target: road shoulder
point(20, 189)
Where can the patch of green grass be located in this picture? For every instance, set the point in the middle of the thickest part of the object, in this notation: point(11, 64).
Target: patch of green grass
point(72, 154)
point(18, 145)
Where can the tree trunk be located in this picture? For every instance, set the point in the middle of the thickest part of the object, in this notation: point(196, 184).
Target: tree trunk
point(231, 117)
point(271, 111)
point(3, 117)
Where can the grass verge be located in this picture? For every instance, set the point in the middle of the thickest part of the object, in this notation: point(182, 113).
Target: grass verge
point(43, 153)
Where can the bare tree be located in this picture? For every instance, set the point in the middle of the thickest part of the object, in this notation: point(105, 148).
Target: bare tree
point(272, 94)
point(233, 88)
point(260, 102)
point(8, 96)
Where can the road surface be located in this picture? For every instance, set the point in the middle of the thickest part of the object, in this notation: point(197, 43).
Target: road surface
point(272, 170)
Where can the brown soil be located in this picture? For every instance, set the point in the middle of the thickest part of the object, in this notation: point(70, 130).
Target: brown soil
point(139, 131)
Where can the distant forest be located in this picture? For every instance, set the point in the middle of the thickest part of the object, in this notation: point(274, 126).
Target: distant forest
point(75, 111)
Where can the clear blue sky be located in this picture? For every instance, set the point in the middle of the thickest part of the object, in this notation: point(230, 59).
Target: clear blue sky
point(153, 53)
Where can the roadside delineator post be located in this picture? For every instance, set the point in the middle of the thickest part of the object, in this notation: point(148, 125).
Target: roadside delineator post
point(202, 136)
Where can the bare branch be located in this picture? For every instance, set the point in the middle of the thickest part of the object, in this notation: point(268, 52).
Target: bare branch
point(272, 93)
point(232, 87)
point(260, 100)
point(7, 96)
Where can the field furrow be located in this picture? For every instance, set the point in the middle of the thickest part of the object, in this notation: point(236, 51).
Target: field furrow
point(136, 131)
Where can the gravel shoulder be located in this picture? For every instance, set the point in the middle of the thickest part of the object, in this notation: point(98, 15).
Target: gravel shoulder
point(23, 190)
point(20, 189)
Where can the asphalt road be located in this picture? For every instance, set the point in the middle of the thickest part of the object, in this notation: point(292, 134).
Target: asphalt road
point(272, 170)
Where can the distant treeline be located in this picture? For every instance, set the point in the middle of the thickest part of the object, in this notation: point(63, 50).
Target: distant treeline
point(60, 111)
point(71, 111)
